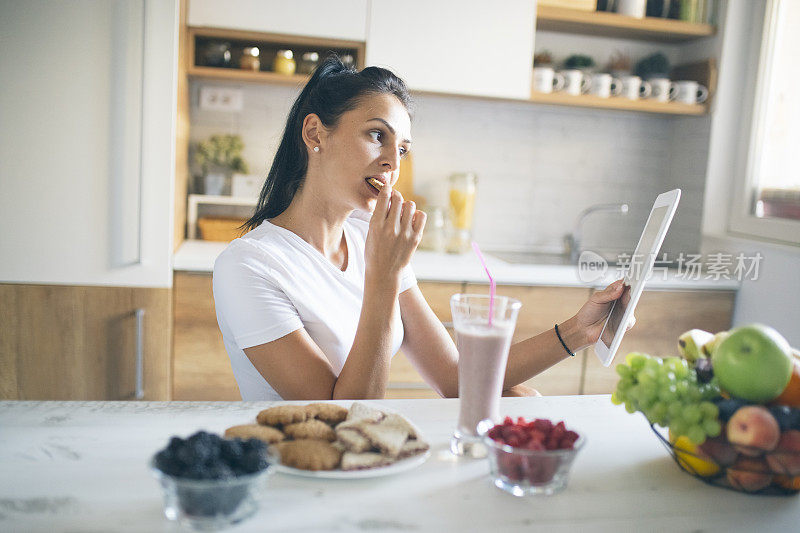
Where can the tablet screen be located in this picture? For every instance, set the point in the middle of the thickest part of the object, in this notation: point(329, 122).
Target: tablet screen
point(640, 265)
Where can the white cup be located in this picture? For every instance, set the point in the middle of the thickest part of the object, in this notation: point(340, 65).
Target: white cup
point(547, 80)
point(604, 85)
point(663, 89)
point(634, 88)
point(690, 92)
point(576, 83)
point(632, 8)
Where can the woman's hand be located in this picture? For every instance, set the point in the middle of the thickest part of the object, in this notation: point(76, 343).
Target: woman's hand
point(394, 233)
point(592, 315)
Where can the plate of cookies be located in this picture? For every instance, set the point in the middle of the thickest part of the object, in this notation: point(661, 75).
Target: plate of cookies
point(324, 440)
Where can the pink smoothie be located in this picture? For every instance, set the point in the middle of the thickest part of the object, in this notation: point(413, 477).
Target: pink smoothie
point(482, 355)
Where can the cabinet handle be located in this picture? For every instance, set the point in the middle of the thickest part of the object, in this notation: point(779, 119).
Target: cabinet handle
point(139, 394)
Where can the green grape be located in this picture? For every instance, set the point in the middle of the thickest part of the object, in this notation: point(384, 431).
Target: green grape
point(696, 435)
point(681, 371)
point(675, 410)
point(692, 414)
point(712, 428)
point(682, 388)
point(635, 359)
point(678, 427)
point(668, 394)
point(659, 410)
point(647, 379)
point(694, 394)
point(630, 407)
point(709, 410)
point(625, 384)
point(624, 371)
point(615, 399)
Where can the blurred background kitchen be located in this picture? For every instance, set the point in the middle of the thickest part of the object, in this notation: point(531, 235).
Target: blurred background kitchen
point(136, 136)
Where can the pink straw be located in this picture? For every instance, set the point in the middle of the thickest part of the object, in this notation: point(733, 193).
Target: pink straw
point(491, 280)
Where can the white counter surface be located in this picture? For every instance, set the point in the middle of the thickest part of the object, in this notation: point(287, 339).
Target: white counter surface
point(82, 466)
point(199, 256)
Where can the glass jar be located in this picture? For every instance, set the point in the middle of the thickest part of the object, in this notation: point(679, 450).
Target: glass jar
point(462, 204)
point(250, 59)
point(434, 236)
point(284, 62)
point(215, 54)
point(308, 62)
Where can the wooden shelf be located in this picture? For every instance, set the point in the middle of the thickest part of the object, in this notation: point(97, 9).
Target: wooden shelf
point(617, 103)
point(601, 23)
point(232, 74)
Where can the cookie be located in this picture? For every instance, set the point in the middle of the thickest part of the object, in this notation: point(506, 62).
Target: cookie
point(352, 440)
point(401, 422)
point(281, 415)
point(360, 411)
point(310, 429)
point(413, 447)
point(327, 412)
point(307, 454)
point(362, 461)
point(388, 438)
point(267, 434)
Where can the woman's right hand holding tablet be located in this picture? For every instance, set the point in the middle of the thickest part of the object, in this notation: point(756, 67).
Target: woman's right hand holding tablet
point(394, 233)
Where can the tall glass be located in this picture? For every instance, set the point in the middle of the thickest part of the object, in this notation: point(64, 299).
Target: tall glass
point(462, 205)
point(482, 356)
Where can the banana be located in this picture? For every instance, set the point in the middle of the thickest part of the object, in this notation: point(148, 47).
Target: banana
point(690, 342)
point(708, 348)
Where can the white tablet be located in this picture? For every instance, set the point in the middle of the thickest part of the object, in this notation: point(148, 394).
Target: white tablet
point(636, 275)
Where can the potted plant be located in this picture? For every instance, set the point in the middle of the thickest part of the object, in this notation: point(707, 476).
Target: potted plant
point(619, 64)
point(579, 62)
point(653, 66)
point(219, 157)
point(543, 59)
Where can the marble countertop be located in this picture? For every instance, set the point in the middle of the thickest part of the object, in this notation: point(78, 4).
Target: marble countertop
point(82, 466)
point(199, 256)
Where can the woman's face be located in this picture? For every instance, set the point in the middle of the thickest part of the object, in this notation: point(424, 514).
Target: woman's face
point(368, 141)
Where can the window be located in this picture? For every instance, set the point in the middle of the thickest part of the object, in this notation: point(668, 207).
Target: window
point(767, 202)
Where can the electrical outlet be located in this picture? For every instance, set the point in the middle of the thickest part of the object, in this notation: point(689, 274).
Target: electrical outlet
point(221, 99)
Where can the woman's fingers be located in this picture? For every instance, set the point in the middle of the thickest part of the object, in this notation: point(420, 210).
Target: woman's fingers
point(382, 206)
point(407, 214)
point(610, 293)
point(393, 218)
point(418, 222)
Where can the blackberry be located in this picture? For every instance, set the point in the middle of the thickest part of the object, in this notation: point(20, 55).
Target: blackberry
point(787, 417)
point(729, 406)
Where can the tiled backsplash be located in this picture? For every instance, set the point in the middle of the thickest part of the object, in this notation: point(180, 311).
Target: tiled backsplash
point(538, 166)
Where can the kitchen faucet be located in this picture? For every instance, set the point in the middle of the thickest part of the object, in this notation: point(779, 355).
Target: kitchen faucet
point(572, 242)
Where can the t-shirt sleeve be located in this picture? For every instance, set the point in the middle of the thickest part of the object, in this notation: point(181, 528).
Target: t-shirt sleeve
point(253, 306)
point(407, 279)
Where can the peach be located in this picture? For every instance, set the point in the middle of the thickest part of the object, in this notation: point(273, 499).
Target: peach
point(753, 430)
point(749, 474)
point(785, 459)
point(720, 450)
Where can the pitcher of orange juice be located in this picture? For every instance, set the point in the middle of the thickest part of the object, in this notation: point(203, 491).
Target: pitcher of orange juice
point(462, 204)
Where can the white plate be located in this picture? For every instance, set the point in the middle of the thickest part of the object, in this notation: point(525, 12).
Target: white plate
point(388, 470)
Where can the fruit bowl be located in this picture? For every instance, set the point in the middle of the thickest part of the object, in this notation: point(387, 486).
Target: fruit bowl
point(742, 469)
point(522, 472)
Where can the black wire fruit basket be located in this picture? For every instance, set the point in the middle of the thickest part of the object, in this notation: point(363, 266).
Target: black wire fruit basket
point(749, 472)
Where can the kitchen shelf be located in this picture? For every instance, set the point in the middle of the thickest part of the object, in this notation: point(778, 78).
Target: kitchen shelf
point(268, 43)
point(618, 103)
point(601, 23)
point(195, 200)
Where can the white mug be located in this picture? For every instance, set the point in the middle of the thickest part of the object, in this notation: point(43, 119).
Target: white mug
point(632, 8)
point(604, 85)
point(547, 80)
point(663, 89)
point(634, 88)
point(690, 92)
point(576, 83)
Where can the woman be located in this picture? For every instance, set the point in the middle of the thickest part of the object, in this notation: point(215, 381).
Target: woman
point(318, 296)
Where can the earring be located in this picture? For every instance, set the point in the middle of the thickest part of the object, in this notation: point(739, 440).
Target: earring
point(316, 148)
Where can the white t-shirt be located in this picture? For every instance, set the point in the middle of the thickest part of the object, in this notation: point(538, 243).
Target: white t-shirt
point(270, 282)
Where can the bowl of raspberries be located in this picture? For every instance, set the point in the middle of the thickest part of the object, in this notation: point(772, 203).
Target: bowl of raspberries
point(530, 457)
point(210, 482)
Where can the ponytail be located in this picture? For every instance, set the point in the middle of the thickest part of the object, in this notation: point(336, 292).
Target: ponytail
point(332, 90)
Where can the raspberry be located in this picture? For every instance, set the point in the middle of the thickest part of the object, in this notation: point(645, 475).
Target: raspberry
point(508, 421)
point(542, 424)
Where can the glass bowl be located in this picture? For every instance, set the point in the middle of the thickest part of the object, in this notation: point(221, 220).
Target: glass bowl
point(210, 504)
point(524, 472)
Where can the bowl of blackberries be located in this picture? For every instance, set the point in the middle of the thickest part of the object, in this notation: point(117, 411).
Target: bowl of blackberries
point(210, 482)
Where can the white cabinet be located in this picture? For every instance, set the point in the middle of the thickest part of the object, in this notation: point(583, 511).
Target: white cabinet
point(342, 19)
point(471, 47)
point(87, 142)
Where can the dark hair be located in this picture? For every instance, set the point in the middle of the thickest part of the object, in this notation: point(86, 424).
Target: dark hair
point(333, 90)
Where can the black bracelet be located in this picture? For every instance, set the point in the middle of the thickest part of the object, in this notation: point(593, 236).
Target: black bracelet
point(563, 343)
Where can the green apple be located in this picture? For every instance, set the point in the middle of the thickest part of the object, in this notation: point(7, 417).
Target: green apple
point(753, 363)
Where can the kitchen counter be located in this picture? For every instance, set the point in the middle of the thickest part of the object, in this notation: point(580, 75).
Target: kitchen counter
point(82, 466)
point(199, 256)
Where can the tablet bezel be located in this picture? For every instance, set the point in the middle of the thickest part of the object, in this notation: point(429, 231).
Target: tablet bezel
point(670, 200)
